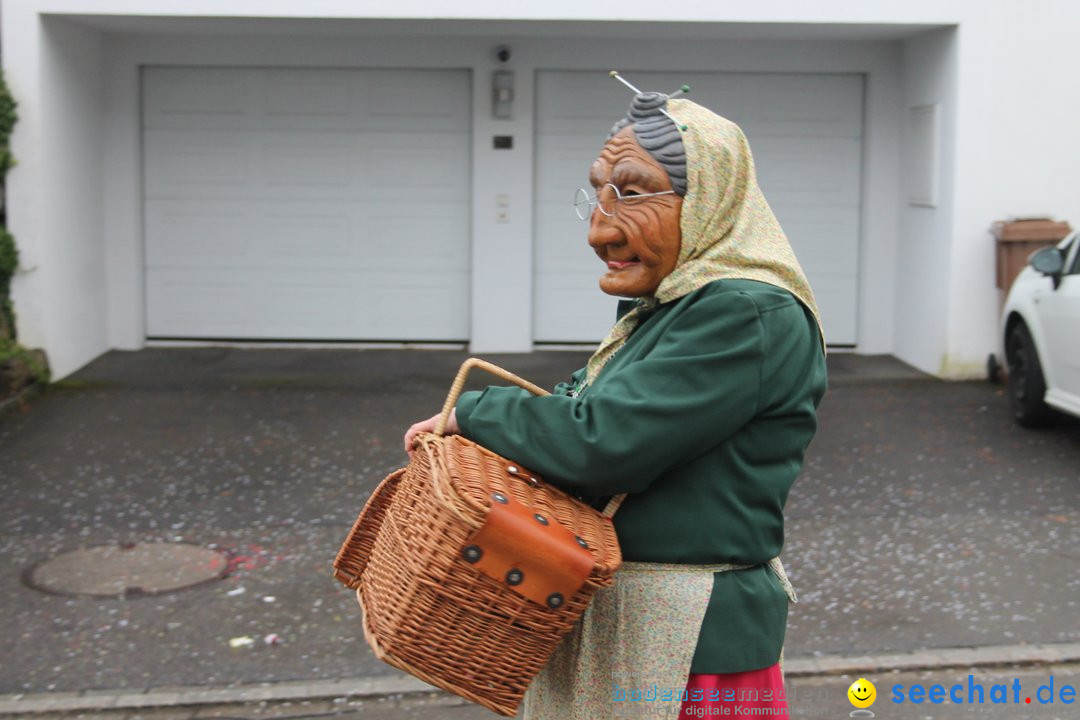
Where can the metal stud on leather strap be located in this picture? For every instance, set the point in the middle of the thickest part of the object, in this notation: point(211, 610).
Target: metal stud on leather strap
point(519, 473)
point(555, 600)
point(514, 577)
point(581, 542)
point(472, 553)
point(541, 519)
point(499, 498)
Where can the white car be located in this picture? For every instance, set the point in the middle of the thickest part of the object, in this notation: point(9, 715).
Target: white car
point(1040, 327)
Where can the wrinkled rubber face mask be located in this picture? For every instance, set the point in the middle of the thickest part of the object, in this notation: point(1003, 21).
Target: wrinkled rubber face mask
point(634, 227)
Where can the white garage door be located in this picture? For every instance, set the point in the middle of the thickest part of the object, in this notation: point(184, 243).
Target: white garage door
point(806, 134)
point(306, 204)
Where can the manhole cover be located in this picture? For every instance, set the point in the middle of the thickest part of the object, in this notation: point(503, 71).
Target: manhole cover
point(132, 569)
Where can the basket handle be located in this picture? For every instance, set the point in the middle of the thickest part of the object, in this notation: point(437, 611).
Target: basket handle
point(459, 384)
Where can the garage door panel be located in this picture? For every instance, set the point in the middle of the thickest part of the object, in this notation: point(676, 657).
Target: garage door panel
point(295, 213)
point(790, 171)
point(378, 100)
point(313, 165)
point(786, 105)
point(566, 243)
point(824, 239)
point(838, 313)
point(566, 168)
point(297, 309)
point(432, 242)
point(793, 105)
point(408, 166)
point(402, 169)
point(202, 162)
point(771, 104)
point(184, 233)
point(298, 95)
point(411, 97)
point(211, 305)
point(582, 104)
point(806, 134)
point(263, 235)
point(430, 312)
point(302, 304)
point(593, 318)
point(305, 237)
point(195, 97)
point(401, 101)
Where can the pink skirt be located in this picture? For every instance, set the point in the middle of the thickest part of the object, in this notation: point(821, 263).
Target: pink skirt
point(749, 690)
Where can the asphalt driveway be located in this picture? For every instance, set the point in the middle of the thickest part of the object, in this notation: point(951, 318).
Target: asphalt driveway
point(924, 518)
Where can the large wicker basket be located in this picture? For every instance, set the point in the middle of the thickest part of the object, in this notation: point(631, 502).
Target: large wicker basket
point(470, 569)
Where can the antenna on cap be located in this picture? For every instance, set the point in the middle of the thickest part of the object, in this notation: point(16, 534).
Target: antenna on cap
point(684, 89)
point(615, 74)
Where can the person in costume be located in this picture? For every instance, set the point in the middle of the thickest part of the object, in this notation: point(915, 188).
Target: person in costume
point(699, 404)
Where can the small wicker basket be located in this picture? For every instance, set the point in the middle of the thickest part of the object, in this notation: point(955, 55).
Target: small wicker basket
point(424, 556)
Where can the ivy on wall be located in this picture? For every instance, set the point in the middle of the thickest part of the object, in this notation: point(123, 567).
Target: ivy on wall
point(9, 261)
point(9, 255)
point(18, 366)
point(8, 117)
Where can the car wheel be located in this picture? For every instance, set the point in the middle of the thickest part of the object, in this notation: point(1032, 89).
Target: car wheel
point(1026, 383)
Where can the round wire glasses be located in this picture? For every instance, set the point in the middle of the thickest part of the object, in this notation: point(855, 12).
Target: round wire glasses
point(584, 203)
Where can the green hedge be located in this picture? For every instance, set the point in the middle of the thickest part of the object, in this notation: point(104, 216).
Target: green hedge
point(17, 364)
point(9, 261)
point(9, 255)
point(8, 116)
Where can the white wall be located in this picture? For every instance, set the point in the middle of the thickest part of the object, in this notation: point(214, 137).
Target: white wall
point(122, 201)
point(1017, 153)
point(922, 268)
point(57, 216)
point(22, 40)
point(769, 11)
point(880, 234)
point(1009, 97)
point(73, 173)
point(502, 275)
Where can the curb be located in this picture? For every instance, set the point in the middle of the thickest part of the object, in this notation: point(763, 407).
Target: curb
point(798, 667)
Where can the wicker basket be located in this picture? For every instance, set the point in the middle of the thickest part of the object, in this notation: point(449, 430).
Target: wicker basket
point(417, 552)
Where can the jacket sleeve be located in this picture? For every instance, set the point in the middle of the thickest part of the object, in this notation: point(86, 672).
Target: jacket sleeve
point(698, 385)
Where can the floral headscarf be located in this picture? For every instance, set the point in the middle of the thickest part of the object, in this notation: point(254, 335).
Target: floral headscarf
point(728, 229)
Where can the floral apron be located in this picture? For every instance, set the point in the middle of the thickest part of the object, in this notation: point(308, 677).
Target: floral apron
point(634, 643)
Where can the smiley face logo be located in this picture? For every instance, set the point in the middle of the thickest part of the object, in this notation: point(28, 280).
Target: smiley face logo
point(862, 693)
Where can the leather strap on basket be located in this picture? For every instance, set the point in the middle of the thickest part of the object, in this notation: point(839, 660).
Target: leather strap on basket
point(459, 384)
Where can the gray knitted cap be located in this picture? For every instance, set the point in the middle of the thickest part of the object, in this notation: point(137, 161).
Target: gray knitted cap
point(658, 136)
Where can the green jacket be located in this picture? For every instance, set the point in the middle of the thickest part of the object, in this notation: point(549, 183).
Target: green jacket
point(703, 416)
